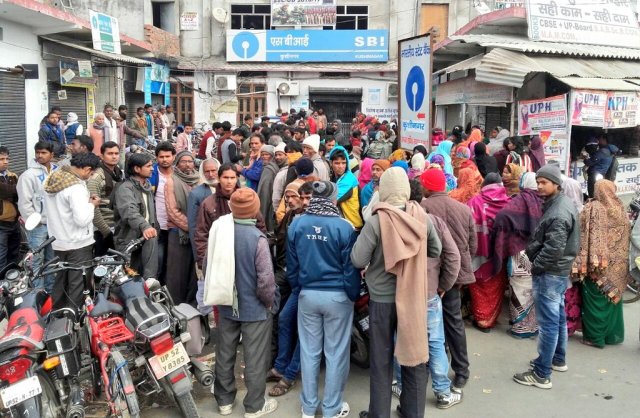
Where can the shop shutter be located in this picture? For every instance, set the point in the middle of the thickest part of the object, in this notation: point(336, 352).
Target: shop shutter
point(75, 102)
point(497, 116)
point(12, 119)
point(133, 101)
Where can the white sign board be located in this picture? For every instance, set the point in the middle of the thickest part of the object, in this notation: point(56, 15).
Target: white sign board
point(594, 22)
point(468, 90)
point(414, 90)
point(189, 21)
point(627, 178)
point(105, 32)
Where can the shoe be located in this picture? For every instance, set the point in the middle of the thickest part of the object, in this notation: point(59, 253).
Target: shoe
point(363, 414)
point(269, 406)
point(558, 367)
point(447, 401)
point(459, 382)
point(481, 329)
point(530, 378)
point(344, 411)
point(307, 416)
point(395, 390)
point(399, 411)
point(225, 409)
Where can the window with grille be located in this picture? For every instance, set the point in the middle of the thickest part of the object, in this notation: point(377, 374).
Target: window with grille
point(252, 100)
point(351, 17)
point(182, 102)
point(250, 16)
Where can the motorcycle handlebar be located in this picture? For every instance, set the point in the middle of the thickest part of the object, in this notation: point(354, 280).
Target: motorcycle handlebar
point(43, 245)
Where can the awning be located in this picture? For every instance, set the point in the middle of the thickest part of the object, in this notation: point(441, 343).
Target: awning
point(467, 64)
point(600, 84)
point(106, 56)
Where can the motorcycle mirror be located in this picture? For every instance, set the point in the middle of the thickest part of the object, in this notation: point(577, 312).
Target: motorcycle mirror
point(32, 221)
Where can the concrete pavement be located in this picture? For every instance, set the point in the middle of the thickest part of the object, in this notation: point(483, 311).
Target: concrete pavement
point(598, 383)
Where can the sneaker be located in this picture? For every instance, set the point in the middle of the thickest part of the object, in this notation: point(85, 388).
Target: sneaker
point(448, 400)
point(530, 378)
point(395, 390)
point(225, 409)
point(307, 416)
point(558, 367)
point(269, 406)
point(459, 382)
point(344, 411)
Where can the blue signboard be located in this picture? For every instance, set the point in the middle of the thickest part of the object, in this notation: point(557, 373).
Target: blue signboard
point(308, 45)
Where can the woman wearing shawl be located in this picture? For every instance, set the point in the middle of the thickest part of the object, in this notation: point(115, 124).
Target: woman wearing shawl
point(512, 230)
point(397, 155)
point(462, 160)
point(418, 164)
point(469, 182)
point(438, 161)
point(474, 137)
point(98, 131)
point(536, 153)
point(497, 144)
point(348, 192)
point(487, 291)
point(364, 176)
point(444, 149)
point(421, 149)
point(501, 156)
point(511, 179)
point(519, 156)
point(602, 265)
point(486, 163)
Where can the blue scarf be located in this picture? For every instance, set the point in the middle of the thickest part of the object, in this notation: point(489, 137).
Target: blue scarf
point(348, 180)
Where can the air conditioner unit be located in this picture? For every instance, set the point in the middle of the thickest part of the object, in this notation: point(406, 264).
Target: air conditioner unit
point(392, 90)
point(224, 82)
point(289, 88)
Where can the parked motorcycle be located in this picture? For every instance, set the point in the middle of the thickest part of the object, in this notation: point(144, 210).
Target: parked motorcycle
point(360, 329)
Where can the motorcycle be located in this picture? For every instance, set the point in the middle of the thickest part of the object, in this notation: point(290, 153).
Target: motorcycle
point(25, 387)
point(360, 329)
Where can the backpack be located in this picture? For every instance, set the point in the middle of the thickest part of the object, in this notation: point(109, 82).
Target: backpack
point(376, 150)
point(613, 169)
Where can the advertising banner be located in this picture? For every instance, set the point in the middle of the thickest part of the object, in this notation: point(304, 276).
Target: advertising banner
point(414, 88)
point(72, 74)
point(303, 12)
point(105, 32)
point(556, 147)
point(596, 22)
point(308, 46)
point(549, 114)
point(622, 109)
point(587, 107)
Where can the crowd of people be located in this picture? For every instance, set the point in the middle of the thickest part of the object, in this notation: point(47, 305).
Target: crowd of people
point(293, 215)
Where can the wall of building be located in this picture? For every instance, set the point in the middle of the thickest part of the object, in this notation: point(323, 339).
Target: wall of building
point(132, 15)
point(20, 46)
point(197, 43)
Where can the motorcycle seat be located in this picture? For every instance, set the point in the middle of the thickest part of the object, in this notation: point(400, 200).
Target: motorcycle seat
point(147, 317)
point(103, 306)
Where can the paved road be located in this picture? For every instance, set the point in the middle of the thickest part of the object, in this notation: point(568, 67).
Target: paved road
point(598, 383)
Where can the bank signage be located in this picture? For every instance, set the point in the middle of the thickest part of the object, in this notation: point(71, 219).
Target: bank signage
point(105, 32)
point(307, 45)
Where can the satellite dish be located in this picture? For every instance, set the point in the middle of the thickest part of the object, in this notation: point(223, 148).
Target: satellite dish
point(220, 15)
point(284, 88)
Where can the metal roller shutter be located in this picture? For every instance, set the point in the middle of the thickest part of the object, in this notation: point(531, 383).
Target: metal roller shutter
point(76, 101)
point(12, 119)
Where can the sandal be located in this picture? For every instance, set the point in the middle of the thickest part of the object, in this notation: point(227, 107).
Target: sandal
point(282, 387)
point(274, 376)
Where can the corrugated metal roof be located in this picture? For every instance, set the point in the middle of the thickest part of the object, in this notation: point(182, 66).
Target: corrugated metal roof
point(518, 43)
point(510, 68)
point(467, 64)
point(599, 84)
point(219, 64)
point(109, 56)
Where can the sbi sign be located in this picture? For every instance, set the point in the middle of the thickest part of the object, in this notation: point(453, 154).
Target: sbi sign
point(369, 41)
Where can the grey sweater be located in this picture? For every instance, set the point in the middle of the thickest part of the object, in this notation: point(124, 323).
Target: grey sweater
point(368, 251)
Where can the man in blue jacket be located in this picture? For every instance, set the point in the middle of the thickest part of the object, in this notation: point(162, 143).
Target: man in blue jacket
point(318, 261)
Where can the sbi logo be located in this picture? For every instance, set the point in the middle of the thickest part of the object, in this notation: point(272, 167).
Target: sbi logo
point(245, 45)
point(361, 41)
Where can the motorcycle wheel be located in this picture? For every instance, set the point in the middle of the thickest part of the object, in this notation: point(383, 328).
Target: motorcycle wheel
point(49, 404)
point(359, 349)
point(126, 404)
point(187, 406)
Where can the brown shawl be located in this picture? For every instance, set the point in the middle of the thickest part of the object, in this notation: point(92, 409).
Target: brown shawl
point(604, 242)
point(404, 243)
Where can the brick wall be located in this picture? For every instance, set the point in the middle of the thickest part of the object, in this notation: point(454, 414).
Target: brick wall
point(165, 44)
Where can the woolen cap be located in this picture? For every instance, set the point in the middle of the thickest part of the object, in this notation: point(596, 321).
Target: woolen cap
point(268, 149)
point(304, 167)
point(181, 155)
point(324, 189)
point(433, 180)
point(244, 203)
point(383, 164)
point(280, 148)
point(312, 141)
point(550, 172)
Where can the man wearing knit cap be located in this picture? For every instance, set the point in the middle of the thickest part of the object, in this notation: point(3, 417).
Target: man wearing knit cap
point(280, 181)
point(181, 276)
point(367, 199)
point(251, 318)
point(303, 169)
point(318, 247)
point(395, 243)
point(552, 251)
point(310, 147)
point(459, 220)
point(265, 186)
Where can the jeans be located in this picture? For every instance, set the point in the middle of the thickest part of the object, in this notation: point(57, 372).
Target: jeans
point(324, 327)
point(454, 331)
point(548, 297)
point(438, 361)
point(9, 243)
point(288, 361)
point(35, 237)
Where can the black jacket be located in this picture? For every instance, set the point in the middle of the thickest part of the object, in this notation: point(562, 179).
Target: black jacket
point(556, 240)
point(129, 212)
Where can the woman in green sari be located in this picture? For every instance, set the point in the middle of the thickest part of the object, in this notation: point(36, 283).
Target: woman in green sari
point(602, 265)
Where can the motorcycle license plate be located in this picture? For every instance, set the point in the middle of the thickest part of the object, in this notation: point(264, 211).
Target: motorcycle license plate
point(21, 391)
point(170, 361)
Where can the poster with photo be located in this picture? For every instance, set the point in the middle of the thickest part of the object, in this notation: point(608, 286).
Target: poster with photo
point(588, 107)
point(548, 114)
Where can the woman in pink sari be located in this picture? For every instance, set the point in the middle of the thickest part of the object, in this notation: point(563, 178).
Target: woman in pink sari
point(488, 290)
